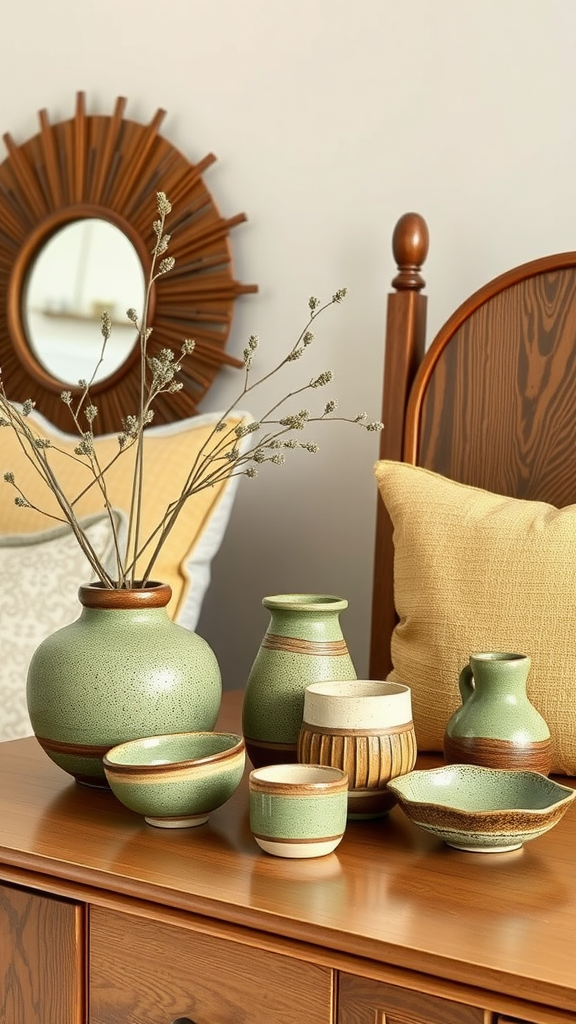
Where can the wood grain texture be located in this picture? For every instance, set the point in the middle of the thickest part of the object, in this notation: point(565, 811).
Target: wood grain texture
point(144, 972)
point(490, 403)
point(509, 1020)
point(405, 343)
point(497, 407)
point(362, 1001)
point(392, 904)
point(41, 959)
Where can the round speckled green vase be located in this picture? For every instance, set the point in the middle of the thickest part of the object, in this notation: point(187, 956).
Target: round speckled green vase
point(303, 644)
point(122, 670)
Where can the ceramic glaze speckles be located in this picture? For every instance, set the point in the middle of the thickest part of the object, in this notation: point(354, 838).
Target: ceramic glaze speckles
point(303, 644)
point(121, 671)
point(176, 781)
point(298, 810)
point(497, 726)
point(482, 810)
point(365, 728)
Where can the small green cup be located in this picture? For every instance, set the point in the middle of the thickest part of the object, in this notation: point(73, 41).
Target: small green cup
point(298, 810)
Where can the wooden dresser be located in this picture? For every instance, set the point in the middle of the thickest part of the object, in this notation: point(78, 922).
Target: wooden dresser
point(107, 920)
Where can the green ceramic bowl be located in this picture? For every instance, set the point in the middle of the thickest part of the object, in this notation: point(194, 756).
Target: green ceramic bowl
point(176, 781)
point(482, 810)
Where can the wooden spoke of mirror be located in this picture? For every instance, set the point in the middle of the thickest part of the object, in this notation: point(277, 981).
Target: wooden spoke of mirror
point(111, 168)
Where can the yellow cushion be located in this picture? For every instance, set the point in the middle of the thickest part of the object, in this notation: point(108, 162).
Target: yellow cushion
point(475, 571)
point(184, 560)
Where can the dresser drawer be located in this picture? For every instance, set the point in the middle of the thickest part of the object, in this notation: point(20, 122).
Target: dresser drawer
point(145, 971)
point(41, 958)
point(362, 1001)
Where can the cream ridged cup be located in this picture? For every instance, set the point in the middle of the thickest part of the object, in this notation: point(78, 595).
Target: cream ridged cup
point(365, 728)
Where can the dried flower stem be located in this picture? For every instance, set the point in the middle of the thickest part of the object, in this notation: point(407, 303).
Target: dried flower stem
point(37, 455)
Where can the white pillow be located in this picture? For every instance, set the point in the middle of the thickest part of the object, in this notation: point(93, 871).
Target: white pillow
point(39, 578)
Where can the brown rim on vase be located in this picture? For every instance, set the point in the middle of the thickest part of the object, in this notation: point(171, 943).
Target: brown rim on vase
point(152, 595)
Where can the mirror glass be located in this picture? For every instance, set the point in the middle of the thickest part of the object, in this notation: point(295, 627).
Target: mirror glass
point(86, 267)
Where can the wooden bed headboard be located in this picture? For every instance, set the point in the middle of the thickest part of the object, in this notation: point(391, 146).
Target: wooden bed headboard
point(491, 402)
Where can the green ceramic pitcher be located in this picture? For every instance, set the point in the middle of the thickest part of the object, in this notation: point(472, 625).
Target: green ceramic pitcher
point(497, 726)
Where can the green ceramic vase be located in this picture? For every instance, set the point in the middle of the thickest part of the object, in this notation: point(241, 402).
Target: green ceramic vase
point(303, 644)
point(122, 670)
point(497, 726)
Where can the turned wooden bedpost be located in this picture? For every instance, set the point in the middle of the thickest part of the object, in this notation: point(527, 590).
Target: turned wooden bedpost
point(405, 344)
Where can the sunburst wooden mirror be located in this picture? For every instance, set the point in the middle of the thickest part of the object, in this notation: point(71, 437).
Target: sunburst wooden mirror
point(77, 204)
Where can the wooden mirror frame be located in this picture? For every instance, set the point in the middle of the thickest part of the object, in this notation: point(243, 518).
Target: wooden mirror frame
point(111, 168)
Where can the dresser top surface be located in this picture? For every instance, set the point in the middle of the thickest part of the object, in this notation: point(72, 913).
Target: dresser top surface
point(390, 892)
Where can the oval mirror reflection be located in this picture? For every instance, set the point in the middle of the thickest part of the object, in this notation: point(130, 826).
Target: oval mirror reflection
point(85, 268)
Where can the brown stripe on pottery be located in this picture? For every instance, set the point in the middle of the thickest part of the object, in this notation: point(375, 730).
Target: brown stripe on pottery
point(270, 744)
point(262, 753)
point(197, 762)
point(493, 822)
point(495, 753)
point(154, 773)
point(307, 789)
point(294, 645)
point(74, 749)
point(278, 839)
point(405, 727)
point(153, 595)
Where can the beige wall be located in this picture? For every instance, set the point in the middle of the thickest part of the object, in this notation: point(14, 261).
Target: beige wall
point(329, 118)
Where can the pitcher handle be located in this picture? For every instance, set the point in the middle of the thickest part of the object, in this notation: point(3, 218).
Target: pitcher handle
point(466, 683)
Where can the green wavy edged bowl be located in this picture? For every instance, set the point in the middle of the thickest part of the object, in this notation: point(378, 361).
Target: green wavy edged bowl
point(482, 810)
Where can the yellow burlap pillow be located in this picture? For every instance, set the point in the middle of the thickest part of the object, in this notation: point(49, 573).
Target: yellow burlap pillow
point(184, 561)
point(475, 571)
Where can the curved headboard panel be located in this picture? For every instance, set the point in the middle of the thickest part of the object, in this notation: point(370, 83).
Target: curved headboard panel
point(494, 401)
point(491, 403)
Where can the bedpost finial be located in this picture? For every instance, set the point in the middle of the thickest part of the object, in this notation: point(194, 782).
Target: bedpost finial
point(410, 249)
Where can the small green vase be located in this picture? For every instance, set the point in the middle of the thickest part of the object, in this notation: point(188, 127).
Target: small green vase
point(121, 671)
point(303, 644)
point(497, 726)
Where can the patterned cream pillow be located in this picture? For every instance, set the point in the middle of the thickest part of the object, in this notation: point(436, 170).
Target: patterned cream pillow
point(39, 578)
point(169, 452)
point(475, 571)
